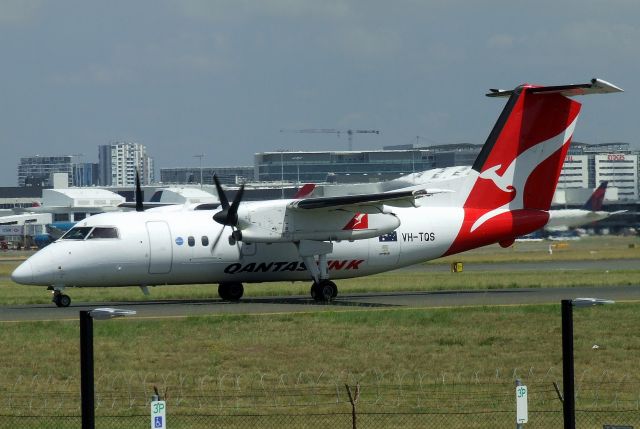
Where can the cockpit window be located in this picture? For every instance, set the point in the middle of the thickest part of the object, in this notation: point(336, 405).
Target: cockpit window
point(89, 232)
point(103, 232)
point(77, 233)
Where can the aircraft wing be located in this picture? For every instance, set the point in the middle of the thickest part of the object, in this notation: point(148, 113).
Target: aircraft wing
point(146, 205)
point(345, 217)
point(360, 202)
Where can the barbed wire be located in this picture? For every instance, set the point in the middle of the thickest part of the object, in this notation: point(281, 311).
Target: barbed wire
point(379, 390)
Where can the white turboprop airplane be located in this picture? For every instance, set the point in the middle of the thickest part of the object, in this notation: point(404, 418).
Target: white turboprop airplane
point(506, 195)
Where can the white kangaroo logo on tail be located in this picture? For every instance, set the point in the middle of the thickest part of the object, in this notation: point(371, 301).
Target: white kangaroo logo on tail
point(514, 179)
point(503, 182)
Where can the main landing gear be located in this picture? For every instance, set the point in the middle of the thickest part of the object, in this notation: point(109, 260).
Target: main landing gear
point(231, 291)
point(324, 291)
point(60, 299)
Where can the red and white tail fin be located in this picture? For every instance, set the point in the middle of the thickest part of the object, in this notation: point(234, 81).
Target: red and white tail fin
point(594, 203)
point(516, 173)
point(305, 191)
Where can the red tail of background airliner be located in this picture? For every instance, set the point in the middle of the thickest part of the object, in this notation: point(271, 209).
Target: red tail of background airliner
point(594, 203)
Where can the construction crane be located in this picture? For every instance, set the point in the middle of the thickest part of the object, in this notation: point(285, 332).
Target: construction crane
point(349, 133)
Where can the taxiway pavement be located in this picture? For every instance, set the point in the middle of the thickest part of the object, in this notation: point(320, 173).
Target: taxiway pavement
point(291, 304)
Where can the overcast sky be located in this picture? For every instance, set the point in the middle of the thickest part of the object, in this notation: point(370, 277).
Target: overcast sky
point(223, 77)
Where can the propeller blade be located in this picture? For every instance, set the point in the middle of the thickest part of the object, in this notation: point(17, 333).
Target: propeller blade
point(224, 202)
point(229, 213)
point(236, 202)
point(221, 216)
point(215, 242)
point(139, 205)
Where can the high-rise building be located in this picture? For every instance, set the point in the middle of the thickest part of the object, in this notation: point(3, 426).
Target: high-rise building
point(38, 170)
point(104, 165)
point(85, 174)
point(117, 163)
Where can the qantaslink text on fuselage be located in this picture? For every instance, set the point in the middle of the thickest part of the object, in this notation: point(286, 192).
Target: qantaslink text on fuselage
point(274, 267)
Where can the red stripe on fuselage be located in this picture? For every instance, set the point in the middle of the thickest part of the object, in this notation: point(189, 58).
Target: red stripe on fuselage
point(505, 226)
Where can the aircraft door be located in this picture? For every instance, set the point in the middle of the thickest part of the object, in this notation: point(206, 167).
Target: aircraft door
point(160, 247)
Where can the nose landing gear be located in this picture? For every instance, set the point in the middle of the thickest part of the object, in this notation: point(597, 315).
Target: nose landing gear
point(59, 298)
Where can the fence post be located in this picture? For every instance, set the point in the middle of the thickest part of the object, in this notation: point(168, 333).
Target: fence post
point(519, 425)
point(569, 403)
point(158, 410)
point(354, 400)
point(87, 389)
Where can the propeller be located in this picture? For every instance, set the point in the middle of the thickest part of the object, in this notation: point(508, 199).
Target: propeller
point(139, 205)
point(228, 216)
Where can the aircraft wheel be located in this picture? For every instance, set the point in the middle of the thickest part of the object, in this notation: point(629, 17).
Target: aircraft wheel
point(230, 291)
point(64, 300)
point(61, 300)
point(324, 291)
point(236, 290)
point(314, 291)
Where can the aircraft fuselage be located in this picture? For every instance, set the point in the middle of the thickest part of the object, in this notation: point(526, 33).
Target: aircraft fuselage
point(176, 248)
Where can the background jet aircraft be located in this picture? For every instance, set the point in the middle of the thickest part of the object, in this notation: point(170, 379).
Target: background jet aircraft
point(563, 219)
point(506, 194)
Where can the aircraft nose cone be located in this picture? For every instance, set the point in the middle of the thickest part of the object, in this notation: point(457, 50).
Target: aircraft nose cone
point(23, 274)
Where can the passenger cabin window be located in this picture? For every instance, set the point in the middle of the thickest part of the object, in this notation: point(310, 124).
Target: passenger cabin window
point(191, 241)
point(103, 232)
point(205, 240)
point(78, 233)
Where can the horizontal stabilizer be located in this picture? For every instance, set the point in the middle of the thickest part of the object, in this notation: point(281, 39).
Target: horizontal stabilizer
point(596, 86)
point(617, 212)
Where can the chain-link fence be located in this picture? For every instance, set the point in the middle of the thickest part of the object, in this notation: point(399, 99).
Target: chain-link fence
point(380, 400)
point(485, 420)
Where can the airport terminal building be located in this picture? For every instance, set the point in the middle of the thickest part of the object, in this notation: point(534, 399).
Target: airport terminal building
point(359, 166)
point(204, 175)
point(588, 165)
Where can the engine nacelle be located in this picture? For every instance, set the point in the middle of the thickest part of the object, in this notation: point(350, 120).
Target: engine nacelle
point(269, 224)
